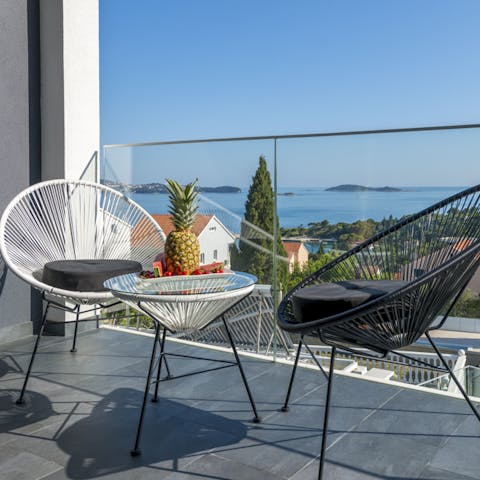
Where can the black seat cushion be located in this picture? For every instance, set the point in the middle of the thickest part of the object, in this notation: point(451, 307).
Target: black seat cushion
point(86, 275)
point(327, 299)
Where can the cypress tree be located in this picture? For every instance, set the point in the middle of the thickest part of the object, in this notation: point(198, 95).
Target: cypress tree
point(255, 253)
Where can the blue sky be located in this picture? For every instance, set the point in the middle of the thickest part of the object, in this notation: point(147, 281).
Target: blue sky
point(213, 68)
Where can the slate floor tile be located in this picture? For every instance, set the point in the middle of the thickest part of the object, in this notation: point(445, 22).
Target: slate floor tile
point(81, 414)
point(213, 466)
point(437, 474)
point(26, 465)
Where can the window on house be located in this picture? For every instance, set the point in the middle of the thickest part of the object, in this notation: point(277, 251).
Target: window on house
point(202, 258)
point(215, 254)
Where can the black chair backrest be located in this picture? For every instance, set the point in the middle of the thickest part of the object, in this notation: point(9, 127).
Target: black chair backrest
point(436, 251)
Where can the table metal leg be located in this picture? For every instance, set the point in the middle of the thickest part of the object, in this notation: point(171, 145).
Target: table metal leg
point(136, 451)
point(160, 361)
point(256, 418)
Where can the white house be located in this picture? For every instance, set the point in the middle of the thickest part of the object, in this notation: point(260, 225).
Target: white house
point(296, 253)
point(215, 239)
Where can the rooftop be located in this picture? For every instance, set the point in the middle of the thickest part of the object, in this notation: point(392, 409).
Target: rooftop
point(291, 247)
point(82, 410)
point(166, 224)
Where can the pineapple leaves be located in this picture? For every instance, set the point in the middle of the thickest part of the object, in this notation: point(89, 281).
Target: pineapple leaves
point(183, 203)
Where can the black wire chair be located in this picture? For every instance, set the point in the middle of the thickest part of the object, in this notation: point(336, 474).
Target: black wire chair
point(430, 258)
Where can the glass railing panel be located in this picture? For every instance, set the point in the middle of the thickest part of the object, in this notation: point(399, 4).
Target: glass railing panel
point(422, 167)
point(91, 172)
point(469, 378)
point(336, 191)
point(418, 168)
point(236, 206)
point(224, 171)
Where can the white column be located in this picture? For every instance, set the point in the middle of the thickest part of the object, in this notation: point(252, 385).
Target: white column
point(69, 43)
point(69, 92)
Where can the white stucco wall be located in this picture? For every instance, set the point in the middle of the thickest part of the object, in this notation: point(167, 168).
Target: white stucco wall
point(215, 237)
point(69, 39)
point(69, 92)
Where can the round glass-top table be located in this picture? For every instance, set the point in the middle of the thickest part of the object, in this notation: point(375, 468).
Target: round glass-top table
point(180, 304)
point(184, 302)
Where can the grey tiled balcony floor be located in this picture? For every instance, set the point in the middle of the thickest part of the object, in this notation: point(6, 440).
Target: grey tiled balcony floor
point(82, 410)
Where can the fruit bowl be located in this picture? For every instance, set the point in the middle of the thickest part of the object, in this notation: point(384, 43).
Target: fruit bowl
point(185, 284)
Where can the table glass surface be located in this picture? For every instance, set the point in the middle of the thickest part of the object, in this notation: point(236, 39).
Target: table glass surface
point(180, 284)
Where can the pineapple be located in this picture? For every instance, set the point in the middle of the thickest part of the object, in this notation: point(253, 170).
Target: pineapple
point(182, 249)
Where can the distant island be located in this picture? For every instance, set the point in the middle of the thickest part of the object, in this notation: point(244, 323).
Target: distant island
point(361, 188)
point(221, 189)
point(160, 188)
point(286, 194)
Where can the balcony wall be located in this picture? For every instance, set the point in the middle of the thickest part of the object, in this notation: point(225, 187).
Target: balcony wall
point(49, 120)
point(19, 143)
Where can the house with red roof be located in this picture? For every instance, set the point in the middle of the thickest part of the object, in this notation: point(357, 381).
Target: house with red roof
point(215, 239)
point(296, 253)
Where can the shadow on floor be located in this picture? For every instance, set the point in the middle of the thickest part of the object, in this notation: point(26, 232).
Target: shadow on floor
point(100, 444)
point(4, 367)
point(36, 407)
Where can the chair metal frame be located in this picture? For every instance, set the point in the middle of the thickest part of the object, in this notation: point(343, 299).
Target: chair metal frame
point(444, 240)
point(67, 220)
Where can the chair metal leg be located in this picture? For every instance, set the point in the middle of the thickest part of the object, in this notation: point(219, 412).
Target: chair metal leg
point(159, 369)
point(74, 349)
point(136, 451)
point(315, 359)
point(453, 376)
point(256, 418)
point(20, 400)
point(326, 415)
point(285, 407)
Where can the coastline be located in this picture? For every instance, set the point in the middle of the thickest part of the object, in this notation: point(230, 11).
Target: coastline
point(314, 204)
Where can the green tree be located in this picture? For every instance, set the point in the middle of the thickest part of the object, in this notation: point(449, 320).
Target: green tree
point(255, 248)
point(468, 305)
point(298, 274)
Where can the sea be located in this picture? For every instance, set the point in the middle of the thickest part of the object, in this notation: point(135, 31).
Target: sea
point(303, 205)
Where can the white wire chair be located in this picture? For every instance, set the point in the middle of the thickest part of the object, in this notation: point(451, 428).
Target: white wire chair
point(73, 220)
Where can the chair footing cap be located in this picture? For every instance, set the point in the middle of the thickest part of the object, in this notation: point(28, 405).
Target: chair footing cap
point(135, 452)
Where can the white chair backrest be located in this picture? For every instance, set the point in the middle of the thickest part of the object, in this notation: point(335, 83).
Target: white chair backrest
point(65, 220)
